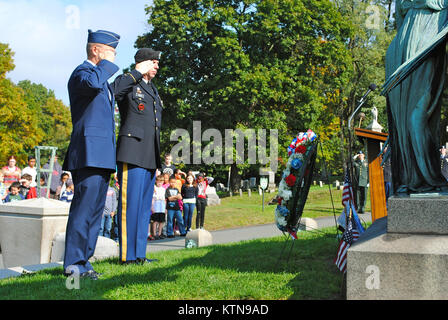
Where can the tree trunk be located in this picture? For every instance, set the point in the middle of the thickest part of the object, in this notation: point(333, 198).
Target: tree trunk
point(235, 178)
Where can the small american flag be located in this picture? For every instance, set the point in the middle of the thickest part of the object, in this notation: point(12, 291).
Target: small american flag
point(349, 236)
point(347, 191)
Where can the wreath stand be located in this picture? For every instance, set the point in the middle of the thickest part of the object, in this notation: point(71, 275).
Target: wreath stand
point(302, 187)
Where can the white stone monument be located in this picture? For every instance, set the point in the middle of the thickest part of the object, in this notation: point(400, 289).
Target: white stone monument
point(374, 125)
point(27, 229)
point(212, 197)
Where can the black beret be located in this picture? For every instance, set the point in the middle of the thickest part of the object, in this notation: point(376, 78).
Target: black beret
point(146, 54)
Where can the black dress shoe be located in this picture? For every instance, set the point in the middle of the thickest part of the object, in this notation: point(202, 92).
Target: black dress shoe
point(91, 274)
point(97, 273)
point(128, 262)
point(144, 260)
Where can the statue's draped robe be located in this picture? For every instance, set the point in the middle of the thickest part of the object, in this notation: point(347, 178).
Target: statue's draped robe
point(414, 104)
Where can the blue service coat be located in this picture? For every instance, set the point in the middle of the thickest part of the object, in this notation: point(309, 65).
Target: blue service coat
point(92, 142)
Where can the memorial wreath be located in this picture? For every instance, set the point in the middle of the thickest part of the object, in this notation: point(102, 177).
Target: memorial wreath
point(296, 179)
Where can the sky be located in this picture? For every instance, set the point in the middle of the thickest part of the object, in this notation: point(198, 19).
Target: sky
point(49, 36)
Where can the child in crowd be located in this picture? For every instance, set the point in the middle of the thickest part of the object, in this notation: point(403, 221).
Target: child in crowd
point(3, 189)
point(201, 202)
point(62, 184)
point(43, 191)
point(14, 194)
point(166, 180)
point(25, 183)
point(173, 210)
point(158, 210)
point(179, 183)
point(109, 211)
point(189, 194)
point(67, 194)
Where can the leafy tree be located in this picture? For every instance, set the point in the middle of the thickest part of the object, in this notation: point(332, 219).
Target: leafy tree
point(250, 64)
point(54, 117)
point(30, 115)
point(374, 30)
point(19, 130)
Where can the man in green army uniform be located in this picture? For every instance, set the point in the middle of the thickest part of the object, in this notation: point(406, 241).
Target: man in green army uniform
point(361, 180)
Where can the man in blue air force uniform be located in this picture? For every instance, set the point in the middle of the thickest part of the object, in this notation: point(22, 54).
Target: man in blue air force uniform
point(91, 156)
point(138, 157)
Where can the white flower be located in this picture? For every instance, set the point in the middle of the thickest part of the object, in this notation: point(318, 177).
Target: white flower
point(281, 221)
point(296, 156)
point(286, 195)
point(279, 218)
point(282, 187)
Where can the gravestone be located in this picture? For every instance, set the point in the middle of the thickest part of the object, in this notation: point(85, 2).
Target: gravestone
point(245, 184)
point(220, 187)
point(212, 197)
point(252, 182)
point(336, 184)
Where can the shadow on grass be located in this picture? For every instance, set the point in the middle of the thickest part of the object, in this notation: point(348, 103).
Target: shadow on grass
point(310, 264)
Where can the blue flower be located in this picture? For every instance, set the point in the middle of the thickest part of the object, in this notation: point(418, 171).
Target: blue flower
point(283, 210)
point(296, 164)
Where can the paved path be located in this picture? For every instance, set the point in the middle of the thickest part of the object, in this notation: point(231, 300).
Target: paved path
point(219, 237)
point(240, 234)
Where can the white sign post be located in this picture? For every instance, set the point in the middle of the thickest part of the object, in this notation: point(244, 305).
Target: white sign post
point(263, 185)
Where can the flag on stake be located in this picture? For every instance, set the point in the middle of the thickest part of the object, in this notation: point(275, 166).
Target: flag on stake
point(349, 236)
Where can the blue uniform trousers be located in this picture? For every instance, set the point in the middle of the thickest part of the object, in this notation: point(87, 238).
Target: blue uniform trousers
point(134, 209)
point(84, 220)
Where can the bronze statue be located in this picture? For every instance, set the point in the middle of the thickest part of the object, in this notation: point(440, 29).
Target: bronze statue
point(414, 104)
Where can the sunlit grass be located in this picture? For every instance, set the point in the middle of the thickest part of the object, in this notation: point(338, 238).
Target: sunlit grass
point(245, 270)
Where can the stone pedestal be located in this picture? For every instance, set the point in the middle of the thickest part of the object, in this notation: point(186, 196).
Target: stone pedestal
point(421, 215)
point(308, 224)
point(198, 238)
point(27, 229)
point(403, 255)
point(105, 248)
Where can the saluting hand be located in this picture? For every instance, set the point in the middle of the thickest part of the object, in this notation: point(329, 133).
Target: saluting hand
point(144, 66)
point(108, 55)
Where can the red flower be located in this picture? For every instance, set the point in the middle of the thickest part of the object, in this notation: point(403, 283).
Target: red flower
point(301, 149)
point(290, 180)
point(279, 200)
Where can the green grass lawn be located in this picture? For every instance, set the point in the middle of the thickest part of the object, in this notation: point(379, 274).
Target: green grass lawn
point(243, 211)
point(245, 270)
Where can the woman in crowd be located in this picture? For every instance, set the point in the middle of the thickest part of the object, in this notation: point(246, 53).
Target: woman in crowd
point(11, 173)
point(189, 194)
